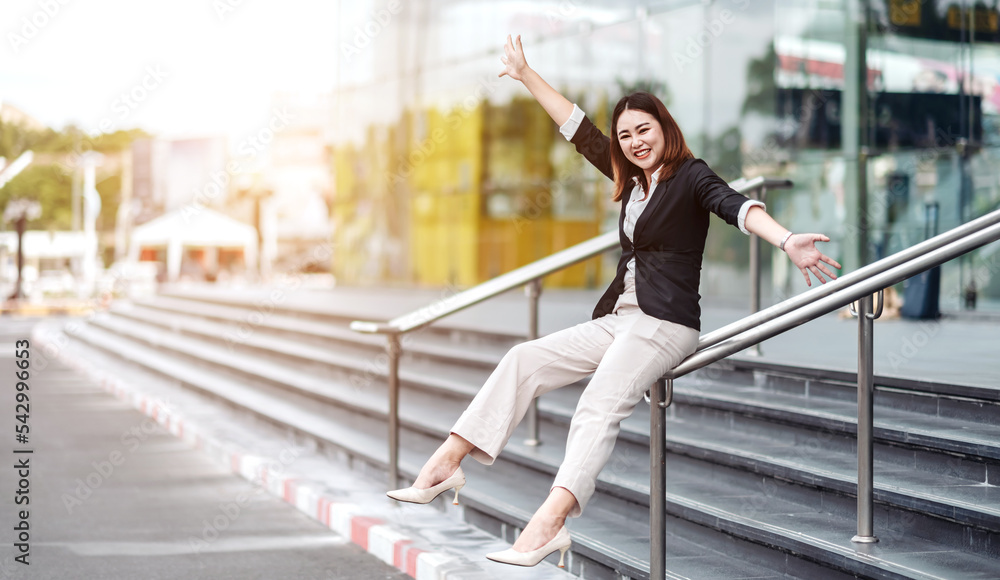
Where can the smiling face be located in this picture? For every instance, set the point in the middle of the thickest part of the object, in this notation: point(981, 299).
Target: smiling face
point(641, 138)
point(644, 139)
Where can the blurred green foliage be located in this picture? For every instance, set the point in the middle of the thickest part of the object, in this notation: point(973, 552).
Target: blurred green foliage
point(760, 84)
point(49, 178)
point(52, 186)
point(16, 139)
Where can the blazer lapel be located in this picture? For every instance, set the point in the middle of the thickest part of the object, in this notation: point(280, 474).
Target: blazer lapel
point(658, 194)
point(626, 195)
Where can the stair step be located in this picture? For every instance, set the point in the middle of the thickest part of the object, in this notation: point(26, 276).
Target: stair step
point(607, 536)
point(697, 509)
point(362, 364)
point(964, 437)
point(244, 323)
point(899, 426)
point(937, 494)
point(346, 312)
point(799, 377)
point(924, 397)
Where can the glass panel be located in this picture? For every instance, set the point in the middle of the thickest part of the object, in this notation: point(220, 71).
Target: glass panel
point(937, 132)
point(757, 88)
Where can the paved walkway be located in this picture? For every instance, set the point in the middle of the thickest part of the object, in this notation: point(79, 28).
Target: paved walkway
point(954, 349)
point(114, 496)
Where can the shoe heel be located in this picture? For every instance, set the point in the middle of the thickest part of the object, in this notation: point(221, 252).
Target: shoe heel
point(457, 487)
point(562, 556)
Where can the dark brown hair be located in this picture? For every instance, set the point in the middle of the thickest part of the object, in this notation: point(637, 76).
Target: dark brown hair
point(675, 152)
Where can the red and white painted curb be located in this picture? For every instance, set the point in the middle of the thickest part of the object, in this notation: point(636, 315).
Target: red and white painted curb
point(346, 519)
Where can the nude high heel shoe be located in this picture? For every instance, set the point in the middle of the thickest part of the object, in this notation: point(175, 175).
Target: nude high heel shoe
point(560, 542)
point(414, 495)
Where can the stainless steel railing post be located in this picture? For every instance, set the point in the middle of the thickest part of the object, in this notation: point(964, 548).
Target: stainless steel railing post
point(866, 392)
point(661, 394)
point(534, 291)
point(394, 349)
point(759, 195)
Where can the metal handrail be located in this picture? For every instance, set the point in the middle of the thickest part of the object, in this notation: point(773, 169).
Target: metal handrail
point(843, 291)
point(520, 276)
point(823, 290)
point(858, 286)
point(529, 276)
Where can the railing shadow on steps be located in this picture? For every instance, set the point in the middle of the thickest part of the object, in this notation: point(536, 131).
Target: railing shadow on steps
point(859, 287)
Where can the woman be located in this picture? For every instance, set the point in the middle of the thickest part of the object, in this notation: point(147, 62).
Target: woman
point(645, 324)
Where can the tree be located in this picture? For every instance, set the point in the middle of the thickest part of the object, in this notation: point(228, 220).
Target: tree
point(50, 183)
point(52, 187)
point(16, 139)
point(761, 90)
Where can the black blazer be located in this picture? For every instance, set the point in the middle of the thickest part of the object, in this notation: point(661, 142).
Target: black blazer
point(669, 235)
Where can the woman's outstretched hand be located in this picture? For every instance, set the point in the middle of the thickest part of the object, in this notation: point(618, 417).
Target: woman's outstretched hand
point(513, 59)
point(556, 105)
point(801, 249)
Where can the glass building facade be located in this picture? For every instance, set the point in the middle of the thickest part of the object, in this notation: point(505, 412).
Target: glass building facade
point(884, 114)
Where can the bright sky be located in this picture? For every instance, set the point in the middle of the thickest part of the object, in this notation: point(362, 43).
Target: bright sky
point(199, 67)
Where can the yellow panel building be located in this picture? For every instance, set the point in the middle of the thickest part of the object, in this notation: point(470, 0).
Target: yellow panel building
point(454, 198)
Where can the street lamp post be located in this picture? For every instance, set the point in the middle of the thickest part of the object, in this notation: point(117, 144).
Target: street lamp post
point(20, 211)
point(258, 194)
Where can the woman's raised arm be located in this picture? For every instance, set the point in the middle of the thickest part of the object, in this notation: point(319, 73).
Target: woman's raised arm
point(516, 67)
point(588, 139)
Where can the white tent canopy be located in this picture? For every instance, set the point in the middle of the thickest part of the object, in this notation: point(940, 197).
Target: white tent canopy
point(193, 227)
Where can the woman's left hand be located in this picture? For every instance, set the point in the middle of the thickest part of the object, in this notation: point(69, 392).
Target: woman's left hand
point(801, 250)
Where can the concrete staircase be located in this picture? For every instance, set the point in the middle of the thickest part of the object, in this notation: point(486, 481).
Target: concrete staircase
point(761, 469)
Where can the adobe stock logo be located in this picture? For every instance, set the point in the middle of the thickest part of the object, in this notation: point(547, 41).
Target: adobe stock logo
point(712, 29)
point(130, 100)
point(32, 25)
point(364, 35)
point(224, 8)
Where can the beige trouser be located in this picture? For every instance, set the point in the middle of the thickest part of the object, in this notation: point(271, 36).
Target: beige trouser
point(626, 351)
